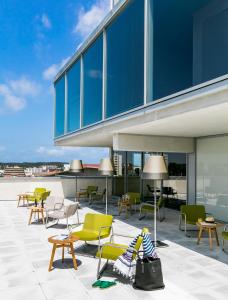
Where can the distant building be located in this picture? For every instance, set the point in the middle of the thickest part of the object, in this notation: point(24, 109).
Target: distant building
point(117, 159)
point(14, 172)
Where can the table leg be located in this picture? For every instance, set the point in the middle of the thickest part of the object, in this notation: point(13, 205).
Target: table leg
point(18, 202)
point(210, 238)
point(42, 213)
point(30, 218)
point(52, 257)
point(73, 256)
point(199, 235)
point(63, 254)
point(216, 235)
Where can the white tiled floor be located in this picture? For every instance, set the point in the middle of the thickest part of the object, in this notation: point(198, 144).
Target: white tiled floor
point(25, 254)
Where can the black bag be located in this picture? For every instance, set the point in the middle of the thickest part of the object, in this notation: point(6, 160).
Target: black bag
point(148, 275)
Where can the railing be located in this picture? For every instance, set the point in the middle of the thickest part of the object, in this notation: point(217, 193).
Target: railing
point(59, 186)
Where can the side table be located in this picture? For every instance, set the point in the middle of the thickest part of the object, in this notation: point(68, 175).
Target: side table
point(211, 228)
point(36, 210)
point(23, 197)
point(62, 243)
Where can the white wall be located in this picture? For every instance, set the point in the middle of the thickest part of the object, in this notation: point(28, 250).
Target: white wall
point(212, 175)
point(11, 187)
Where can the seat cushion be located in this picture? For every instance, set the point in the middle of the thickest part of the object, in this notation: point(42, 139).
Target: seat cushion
point(147, 207)
point(88, 235)
point(112, 251)
point(225, 235)
point(58, 214)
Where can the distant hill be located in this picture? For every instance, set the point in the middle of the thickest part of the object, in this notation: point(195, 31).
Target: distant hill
point(31, 164)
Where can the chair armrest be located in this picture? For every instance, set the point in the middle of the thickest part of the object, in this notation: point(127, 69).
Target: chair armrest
point(103, 227)
point(58, 204)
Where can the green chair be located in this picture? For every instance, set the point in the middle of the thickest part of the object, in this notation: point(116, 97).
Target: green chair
point(95, 228)
point(87, 192)
point(97, 196)
point(224, 236)
point(135, 199)
point(146, 208)
point(111, 251)
point(189, 214)
point(38, 195)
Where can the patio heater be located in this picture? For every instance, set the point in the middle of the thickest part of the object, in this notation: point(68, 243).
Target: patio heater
point(76, 167)
point(155, 169)
point(106, 169)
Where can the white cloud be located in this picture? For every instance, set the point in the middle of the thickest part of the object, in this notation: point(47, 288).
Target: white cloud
point(50, 151)
point(46, 21)
point(86, 154)
point(50, 72)
point(88, 20)
point(24, 87)
point(14, 93)
point(95, 74)
point(10, 100)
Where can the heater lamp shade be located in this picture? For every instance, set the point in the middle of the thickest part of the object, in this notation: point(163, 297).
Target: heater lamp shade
point(106, 167)
point(155, 168)
point(76, 166)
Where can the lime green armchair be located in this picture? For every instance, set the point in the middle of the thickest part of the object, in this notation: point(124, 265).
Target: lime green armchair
point(39, 195)
point(95, 228)
point(189, 214)
point(146, 208)
point(111, 251)
point(224, 236)
point(95, 195)
point(87, 192)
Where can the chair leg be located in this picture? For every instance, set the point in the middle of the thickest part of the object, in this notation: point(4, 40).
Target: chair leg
point(78, 217)
point(180, 222)
point(100, 272)
point(223, 244)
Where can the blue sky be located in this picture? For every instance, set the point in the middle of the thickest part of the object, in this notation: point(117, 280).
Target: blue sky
point(36, 38)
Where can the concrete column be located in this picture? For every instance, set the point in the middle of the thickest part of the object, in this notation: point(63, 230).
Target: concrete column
point(191, 178)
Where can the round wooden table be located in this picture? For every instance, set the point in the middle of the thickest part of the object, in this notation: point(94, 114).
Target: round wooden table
point(210, 228)
point(59, 243)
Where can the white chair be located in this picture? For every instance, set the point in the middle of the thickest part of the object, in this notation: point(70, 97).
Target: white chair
point(53, 203)
point(64, 213)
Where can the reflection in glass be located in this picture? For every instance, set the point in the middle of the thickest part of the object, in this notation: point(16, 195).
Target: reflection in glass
point(73, 106)
point(93, 72)
point(125, 60)
point(60, 106)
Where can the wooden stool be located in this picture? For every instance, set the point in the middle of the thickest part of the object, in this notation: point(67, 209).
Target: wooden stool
point(38, 210)
point(210, 228)
point(68, 243)
point(23, 197)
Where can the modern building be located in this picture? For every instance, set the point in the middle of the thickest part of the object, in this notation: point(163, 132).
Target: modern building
point(14, 172)
point(153, 77)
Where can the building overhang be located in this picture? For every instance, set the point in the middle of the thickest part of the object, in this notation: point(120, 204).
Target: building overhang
point(199, 111)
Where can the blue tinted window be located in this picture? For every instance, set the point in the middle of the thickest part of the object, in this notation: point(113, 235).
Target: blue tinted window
point(60, 106)
point(125, 60)
point(93, 71)
point(73, 97)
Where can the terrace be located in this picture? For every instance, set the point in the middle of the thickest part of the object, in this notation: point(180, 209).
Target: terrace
point(190, 271)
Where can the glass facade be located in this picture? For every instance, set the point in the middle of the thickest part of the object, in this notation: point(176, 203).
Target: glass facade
point(185, 44)
point(93, 74)
point(125, 60)
point(60, 107)
point(73, 97)
point(212, 175)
